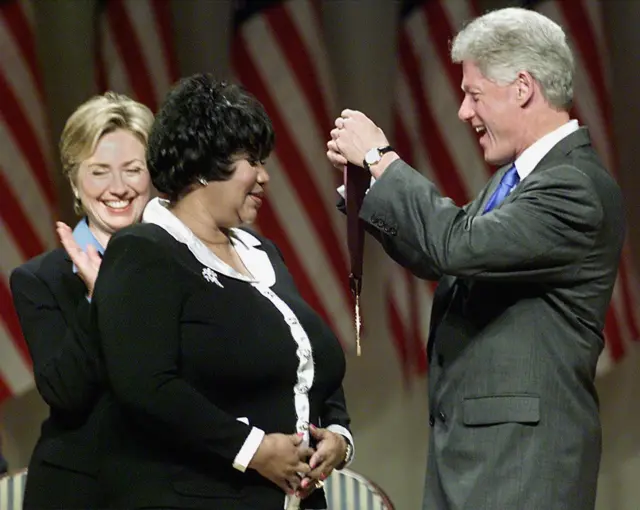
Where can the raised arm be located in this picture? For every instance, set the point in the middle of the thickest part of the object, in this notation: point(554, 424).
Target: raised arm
point(551, 224)
point(402, 253)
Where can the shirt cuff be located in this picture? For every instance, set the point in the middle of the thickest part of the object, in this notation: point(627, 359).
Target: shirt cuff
point(339, 429)
point(249, 449)
point(340, 190)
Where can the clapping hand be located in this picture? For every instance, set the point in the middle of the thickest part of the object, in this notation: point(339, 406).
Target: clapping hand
point(88, 262)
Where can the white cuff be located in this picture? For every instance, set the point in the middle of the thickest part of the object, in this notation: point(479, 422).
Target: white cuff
point(249, 449)
point(340, 190)
point(339, 429)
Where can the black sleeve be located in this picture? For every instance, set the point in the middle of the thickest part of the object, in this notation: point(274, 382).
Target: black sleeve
point(138, 299)
point(335, 410)
point(335, 413)
point(66, 361)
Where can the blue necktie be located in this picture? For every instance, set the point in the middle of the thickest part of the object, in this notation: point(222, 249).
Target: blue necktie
point(507, 183)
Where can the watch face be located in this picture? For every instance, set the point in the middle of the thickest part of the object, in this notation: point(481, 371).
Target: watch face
point(372, 156)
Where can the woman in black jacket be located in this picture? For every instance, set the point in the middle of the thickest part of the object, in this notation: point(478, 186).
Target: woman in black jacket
point(103, 156)
point(227, 385)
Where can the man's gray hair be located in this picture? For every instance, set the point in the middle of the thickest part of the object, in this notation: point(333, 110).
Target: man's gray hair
point(506, 41)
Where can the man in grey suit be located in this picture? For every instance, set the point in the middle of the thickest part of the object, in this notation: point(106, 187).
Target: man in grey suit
point(526, 272)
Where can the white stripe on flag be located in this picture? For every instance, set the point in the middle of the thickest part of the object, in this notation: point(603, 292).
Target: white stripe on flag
point(15, 372)
point(143, 21)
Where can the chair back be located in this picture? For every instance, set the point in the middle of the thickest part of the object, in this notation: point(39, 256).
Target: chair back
point(345, 490)
point(348, 490)
point(12, 490)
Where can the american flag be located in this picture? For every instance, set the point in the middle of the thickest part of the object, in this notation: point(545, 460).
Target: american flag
point(279, 55)
point(135, 52)
point(428, 134)
point(29, 206)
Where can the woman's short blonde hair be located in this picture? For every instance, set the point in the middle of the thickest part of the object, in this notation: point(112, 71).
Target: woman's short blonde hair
point(94, 119)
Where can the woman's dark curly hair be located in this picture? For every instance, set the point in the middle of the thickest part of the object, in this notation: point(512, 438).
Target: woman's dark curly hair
point(201, 126)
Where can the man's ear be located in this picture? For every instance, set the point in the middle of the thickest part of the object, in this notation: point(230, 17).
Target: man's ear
point(525, 86)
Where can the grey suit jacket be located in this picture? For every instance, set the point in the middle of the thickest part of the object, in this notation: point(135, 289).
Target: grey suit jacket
point(516, 327)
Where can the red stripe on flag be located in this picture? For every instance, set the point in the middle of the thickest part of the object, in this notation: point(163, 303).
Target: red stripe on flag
point(5, 392)
point(291, 44)
point(18, 222)
point(10, 319)
point(437, 149)
point(162, 14)
point(614, 342)
point(129, 48)
point(440, 32)
point(584, 35)
point(293, 164)
point(18, 24)
point(25, 138)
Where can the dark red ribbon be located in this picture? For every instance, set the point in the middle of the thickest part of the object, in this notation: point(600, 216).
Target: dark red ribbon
point(357, 183)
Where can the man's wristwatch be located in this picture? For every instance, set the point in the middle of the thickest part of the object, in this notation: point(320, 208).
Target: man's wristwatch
point(374, 155)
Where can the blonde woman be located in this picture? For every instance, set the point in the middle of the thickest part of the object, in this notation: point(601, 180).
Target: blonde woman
point(103, 156)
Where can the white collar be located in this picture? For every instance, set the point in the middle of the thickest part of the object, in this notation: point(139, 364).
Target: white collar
point(256, 261)
point(530, 158)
